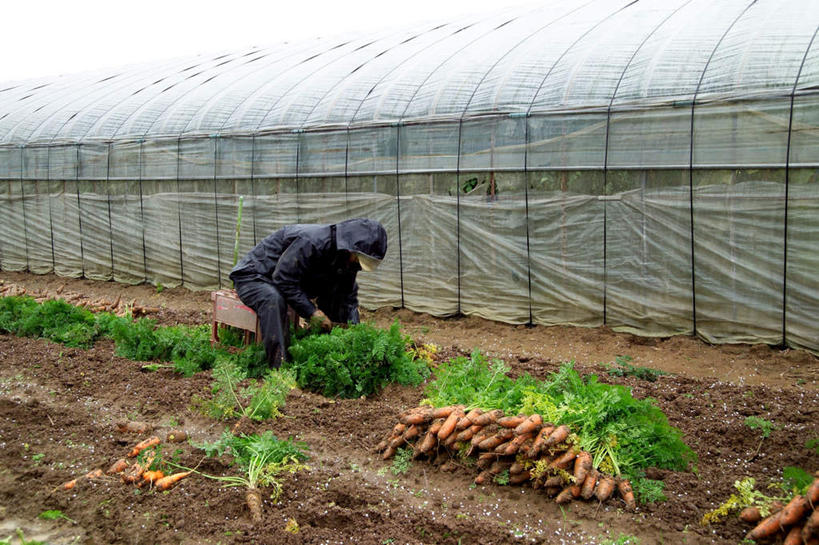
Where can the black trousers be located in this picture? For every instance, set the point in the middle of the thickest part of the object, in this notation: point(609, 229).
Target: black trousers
point(271, 308)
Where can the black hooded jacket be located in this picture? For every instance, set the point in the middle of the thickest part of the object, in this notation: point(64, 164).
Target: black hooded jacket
point(307, 262)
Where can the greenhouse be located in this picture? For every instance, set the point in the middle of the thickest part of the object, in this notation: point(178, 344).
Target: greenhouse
point(647, 165)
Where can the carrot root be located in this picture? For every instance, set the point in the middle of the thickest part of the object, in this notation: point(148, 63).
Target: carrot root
point(253, 498)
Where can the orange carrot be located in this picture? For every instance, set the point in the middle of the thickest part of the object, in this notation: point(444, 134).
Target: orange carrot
point(388, 453)
point(396, 442)
point(253, 499)
point(118, 466)
point(750, 514)
point(478, 437)
point(94, 474)
point(539, 440)
point(511, 421)
point(484, 419)
point(587, 489)
point(134, 427)
point(482, 476)
point(565, 460)
point(553, 481)
point(766, 528)
point(167, 482)
point(485, 460)
point(498, 466)
point(416, 416)
point(624, 487)
point(794, 536)
point(520, 478)
point(69, 484)
point(435, 427)
point(515, 444)
point(152, 476)
point(530, 425)
point(813, 494)
point(515, 468)
point(495, 440)
point(811, 528)
point(470, 417)
point(412, 432)
point(142, 445)
point(565, 495)
point(794, 511)
point(582, 466)
point(605, 487)
point(428, 442)
point(445, 412)
point(398, 429)
point(560, 434)
point(465, 435)
point(449, 424)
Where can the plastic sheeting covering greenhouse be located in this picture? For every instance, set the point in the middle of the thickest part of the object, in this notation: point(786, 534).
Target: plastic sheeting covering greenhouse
point(649, 165)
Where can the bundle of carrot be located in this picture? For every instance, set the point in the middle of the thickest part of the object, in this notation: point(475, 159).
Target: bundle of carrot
point(798, 521)
point(118, 306)
point(139, 472)
point(531, 450)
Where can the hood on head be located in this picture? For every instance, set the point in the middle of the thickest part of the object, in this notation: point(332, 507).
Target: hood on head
point(365, 237)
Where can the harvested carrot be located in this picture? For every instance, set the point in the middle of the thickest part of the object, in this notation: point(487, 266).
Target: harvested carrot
point(531, 425)
point(383, 444)
point(539, 440)
point(435, 427)
point(398, 429)
point(516, 467)
point(388, 453)
point(142, 445)
point(449, 424)
point(587, 489)
point(750, 514)
point(253, 498)
point(811, 528)
point(69, 484)
point(95, 474)
point(152, 476)
point(176, 436)
point(813, 494)
point(118, 467)
point(498, 466)
point(794, 536)
point(485, 460)
point(445, 412)
point(465, 435)
point(511, 421)
point(412, 432)
point(419, 416)
point(582, 466)
point(794, 511)
point(515, 444)
point(396, 442)
point(566, 459)
point(766, 528)
point(605, 487)
point(471, 416)
point(134, 427)
point(519, 478)
point(624, 487)
point(482, 476)
point(560, 434)
point(167, 482)
point(484, 419)
point(479, 437)
point(493, 441)
point(565, 495)
point(427, 443)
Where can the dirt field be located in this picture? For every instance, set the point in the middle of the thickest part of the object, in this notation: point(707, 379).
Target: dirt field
point(58, 407)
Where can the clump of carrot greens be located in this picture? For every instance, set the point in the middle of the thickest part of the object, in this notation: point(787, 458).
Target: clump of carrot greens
point(257, 400)
point(624, 435)
point(353, 361)
point(261, 460)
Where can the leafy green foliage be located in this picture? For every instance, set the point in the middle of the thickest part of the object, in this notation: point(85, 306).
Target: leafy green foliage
point(261, 459)
point(402, 461)
point(54, 320)
point(759, 423)
point(258, 400)
point(624, 435)
point(813, 444)
point(354, 361)
point(795, 480)
point(648, 490)
point(746, 496)
point(622, 368)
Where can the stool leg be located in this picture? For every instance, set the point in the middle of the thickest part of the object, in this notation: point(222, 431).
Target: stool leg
point(214, 333)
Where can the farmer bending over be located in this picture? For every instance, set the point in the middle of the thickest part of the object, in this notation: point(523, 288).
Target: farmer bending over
point(300, 264)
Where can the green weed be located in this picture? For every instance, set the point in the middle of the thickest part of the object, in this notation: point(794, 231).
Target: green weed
point(622, 368)
point(402, 461)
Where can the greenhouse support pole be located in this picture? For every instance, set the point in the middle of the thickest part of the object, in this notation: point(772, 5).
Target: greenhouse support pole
point(298, 170)
point(253, 183)
point(398, 204)
point(108, 193)
point(50, 213)
point(142, 211)
point(79, 211)
point(23, 205)
point(526, 208)
point(179, 209)
point(215, 139)
point(787, 194)
point(347, 173)
point(458, 209)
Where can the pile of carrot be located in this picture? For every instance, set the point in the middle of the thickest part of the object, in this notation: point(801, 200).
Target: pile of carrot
point(798, 521)
point(134, 471)
point(117, 306)
point(534, 452)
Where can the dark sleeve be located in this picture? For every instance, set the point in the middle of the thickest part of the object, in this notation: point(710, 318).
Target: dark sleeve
point(293, 265)
point(352, 304)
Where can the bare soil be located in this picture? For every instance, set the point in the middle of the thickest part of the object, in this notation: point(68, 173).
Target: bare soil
point(59, 405)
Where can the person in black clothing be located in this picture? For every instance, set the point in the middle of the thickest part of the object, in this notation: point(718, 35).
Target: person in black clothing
point(311, 268)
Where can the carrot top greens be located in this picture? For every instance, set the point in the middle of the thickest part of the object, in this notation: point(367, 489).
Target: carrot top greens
point(625, 435)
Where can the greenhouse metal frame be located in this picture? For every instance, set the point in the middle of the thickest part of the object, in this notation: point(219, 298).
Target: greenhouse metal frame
point(648, 165)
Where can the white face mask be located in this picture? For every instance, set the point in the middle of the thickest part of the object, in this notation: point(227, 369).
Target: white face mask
point(367, 263)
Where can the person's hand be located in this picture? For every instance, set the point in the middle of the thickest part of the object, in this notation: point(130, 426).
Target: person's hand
point(321, 320)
